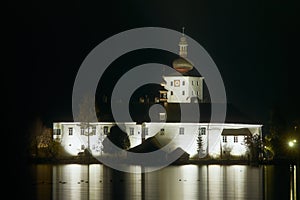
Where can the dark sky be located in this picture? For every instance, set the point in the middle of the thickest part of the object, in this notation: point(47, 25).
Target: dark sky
point(253, 43)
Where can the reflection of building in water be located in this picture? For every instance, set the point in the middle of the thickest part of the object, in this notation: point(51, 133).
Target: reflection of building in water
point(197, 137)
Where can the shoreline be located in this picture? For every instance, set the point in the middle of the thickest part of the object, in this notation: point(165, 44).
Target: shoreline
point(93, 160)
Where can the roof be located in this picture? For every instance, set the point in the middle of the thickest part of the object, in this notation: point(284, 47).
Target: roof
point(241, 131)
point(140, 113)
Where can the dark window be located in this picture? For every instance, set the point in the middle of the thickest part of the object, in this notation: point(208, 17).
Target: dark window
point(183, 92)
point(162, 131)
point(181, 131)
point(171, 92)
point(235, 139)
point(82, 147)
point(145, 130)
point(131, 131)
point(183, 82)
point(93, 130)
point(224, 138)
point(171, 83)
point(70, 131)
point(56, 132)
point(105, 130)
point(202, 131)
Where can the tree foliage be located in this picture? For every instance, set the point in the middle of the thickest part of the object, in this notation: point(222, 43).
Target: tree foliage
point(118, 138)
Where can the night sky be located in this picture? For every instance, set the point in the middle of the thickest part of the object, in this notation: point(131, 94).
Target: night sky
point(253, 43)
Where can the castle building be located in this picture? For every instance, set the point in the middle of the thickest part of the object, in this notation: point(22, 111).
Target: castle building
point(199, 139)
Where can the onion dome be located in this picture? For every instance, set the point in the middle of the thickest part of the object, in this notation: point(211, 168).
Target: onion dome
point(182, 65)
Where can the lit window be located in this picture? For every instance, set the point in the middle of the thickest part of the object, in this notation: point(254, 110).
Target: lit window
point(70, 131)
point(235, 139)
point(131, 131)
point(224, 138)
point(181, 131)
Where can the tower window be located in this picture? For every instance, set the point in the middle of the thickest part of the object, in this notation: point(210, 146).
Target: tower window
point(183, 82)
point(183, 92)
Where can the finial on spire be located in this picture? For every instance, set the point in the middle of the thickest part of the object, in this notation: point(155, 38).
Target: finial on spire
point(182, 31)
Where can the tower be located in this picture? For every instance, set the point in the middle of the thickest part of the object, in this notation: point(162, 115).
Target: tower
point(185, 88)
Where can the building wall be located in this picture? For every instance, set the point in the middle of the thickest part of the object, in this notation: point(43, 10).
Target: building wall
point(169, 135)
point(182, 89)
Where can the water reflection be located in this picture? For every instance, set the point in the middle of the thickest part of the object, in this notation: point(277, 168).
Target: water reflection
point(74, 181)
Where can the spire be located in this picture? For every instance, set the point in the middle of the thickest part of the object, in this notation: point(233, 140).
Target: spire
point(183, 45)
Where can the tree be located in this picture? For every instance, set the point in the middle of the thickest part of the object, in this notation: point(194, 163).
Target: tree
point(200, 149)
point(254, 144)
point(275, 140)
point(118, 138)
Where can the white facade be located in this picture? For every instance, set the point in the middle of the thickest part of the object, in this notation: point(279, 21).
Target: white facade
point(74, 137)
point(183, 89)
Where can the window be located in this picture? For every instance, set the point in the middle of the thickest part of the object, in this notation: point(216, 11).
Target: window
point(171, 83)
point(145, 130)
point(171, 92)
point(162, 131)
point(105, 130)
point(183, 82)
point(82, 131)
point(131, 131)
point(70, 131)
point(181, 131)
point(235, 139)
point(192, 82)
point(197, 82)
point(224, 138)
point(202, 131)
point(93, 130)
point(82, 147)
point(56, 132)
point(183, 92)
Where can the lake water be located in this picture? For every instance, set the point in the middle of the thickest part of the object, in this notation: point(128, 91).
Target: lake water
point(188, 182)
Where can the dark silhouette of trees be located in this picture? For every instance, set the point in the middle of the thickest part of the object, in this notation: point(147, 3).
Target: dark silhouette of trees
point(118, 138)
point(275, 139)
